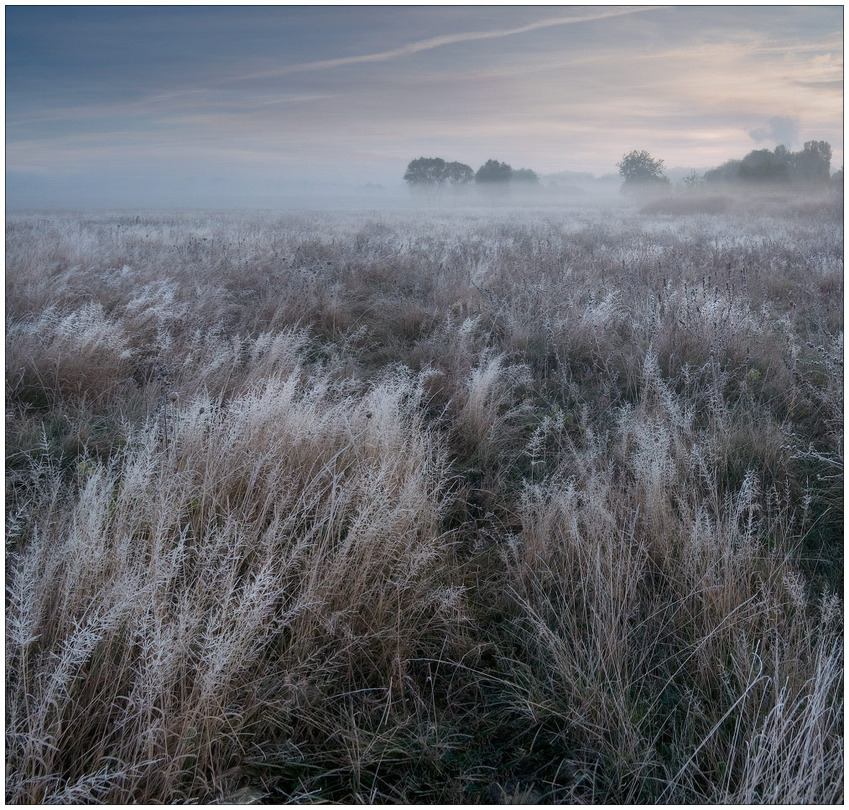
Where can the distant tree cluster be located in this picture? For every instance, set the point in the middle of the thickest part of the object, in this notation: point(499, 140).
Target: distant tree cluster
point(810, 165)
point(436, 172)
point(642, 172)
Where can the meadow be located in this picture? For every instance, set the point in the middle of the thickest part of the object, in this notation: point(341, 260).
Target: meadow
point(469, 506)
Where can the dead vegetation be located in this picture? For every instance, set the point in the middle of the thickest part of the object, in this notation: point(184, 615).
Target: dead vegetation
point(525, 506)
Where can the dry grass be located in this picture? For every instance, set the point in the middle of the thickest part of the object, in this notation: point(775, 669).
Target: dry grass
point(213, 581)
point(508, 507)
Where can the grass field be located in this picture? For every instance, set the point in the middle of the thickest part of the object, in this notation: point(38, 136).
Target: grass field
point(426, 507)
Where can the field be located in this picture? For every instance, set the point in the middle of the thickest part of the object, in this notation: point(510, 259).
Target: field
point(536, 505)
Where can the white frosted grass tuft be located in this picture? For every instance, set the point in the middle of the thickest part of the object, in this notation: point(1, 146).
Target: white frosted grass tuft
point(489, 404)
point(288, 526)
point(83, 353)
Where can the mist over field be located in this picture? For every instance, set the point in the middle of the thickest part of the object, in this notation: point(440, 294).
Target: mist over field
point(424, 405)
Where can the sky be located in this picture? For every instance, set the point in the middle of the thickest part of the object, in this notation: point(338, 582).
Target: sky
point(226, 106)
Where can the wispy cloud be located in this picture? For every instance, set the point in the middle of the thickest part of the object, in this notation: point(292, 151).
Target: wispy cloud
point(835, 85)
point(154, 106)
point(441, 41)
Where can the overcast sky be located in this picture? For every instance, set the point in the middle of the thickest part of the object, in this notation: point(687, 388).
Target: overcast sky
point(216, 106)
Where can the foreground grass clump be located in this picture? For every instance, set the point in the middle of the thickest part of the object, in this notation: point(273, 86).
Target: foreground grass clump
point(529, 506)
point(206, 586)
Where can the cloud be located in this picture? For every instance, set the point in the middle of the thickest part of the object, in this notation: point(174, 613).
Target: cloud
point(835, 85)
point(441, 41)
point(781, 130)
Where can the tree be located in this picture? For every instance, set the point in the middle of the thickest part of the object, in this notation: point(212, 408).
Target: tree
point(493, 172)
point(728, 172)
point(763, 166)
point(783, 154)
point(692, 179)
point(813, 163)
point(458, 174)
point(430, 173)
point(425, 172)
point(528, 176)
point(640, 170)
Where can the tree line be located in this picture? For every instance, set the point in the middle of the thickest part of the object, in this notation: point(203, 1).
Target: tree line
point(434, 172)
point(639, 170)
point(811, 165)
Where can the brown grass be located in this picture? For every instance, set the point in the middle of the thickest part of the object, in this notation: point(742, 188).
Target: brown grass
point(515, 507)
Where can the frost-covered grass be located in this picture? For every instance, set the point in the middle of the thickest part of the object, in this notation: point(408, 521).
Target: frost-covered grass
point(505, 506)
